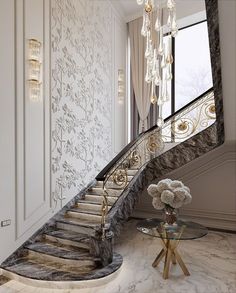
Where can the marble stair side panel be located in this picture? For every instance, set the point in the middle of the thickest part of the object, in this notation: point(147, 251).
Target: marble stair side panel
point(174, 158)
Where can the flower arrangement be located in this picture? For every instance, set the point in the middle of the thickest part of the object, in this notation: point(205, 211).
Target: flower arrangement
point(168, 193)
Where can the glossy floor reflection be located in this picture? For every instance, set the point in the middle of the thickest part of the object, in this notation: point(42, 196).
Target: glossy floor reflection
point(211, 261)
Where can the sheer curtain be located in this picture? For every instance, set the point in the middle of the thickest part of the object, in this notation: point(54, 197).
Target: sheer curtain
point(142, 90)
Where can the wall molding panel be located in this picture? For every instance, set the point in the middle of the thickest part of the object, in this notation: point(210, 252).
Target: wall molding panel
point(211, 179)
point(32, 119)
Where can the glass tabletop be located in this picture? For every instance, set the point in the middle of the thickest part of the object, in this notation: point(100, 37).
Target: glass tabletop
point(182, 230)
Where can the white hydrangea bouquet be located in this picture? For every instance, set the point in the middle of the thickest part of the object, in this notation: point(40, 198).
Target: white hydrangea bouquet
point(169, 195)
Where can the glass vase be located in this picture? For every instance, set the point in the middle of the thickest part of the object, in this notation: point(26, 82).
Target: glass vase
point(170, 215)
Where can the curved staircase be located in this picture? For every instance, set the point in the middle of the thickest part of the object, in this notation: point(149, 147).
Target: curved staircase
point(76, 244)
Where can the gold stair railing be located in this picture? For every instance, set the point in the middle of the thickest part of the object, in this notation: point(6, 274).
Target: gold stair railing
point(180, 127)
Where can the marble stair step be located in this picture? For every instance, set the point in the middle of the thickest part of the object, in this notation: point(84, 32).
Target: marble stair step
point(66, 251)
point(78, 225)
point(132, 172)
point(66, 237)
point(88, 207)
point(47, 252)
point(92, 202)
point(83, 216)
point(99, 199)
point(87, 211)
point(111, 192)
point(48, 270)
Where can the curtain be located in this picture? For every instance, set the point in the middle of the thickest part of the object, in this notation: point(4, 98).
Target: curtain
point(135, 118)
point(142, 90)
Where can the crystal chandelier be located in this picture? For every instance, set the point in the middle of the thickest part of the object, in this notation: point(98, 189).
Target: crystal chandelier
point(158, 53)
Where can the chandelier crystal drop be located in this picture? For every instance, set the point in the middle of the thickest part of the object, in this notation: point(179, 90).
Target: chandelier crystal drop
point(158, 54)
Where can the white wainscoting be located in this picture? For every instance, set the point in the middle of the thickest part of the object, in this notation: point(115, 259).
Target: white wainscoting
point(212, 180)
point(7, 127)
point(32, 119)
point(25, 194)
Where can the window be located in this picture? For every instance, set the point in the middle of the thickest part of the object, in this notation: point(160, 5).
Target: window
point(192, 68)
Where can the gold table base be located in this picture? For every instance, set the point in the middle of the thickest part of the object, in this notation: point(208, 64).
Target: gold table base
point(171, 254)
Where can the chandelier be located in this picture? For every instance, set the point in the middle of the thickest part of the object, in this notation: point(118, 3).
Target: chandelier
point(159, 53)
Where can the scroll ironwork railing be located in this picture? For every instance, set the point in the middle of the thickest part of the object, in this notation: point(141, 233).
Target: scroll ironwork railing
point(184, 124)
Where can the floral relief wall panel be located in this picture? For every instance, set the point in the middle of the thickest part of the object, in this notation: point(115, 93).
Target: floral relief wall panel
point(81, 58)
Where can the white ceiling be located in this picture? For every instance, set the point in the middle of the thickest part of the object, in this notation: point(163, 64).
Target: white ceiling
point(131, 10)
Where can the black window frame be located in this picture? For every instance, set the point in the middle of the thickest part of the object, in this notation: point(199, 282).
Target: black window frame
point(172, 94)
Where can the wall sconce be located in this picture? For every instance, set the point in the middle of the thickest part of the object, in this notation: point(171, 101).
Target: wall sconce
point(34, 49)
point(34, 90)
point(34, 70)
point(121, 86)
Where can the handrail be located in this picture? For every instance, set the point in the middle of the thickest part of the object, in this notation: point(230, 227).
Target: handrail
point(102, 175)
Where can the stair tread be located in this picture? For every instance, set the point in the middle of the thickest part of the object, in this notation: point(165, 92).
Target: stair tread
point(79, 222)
point(100, 195)
point(85, 211)
point(61, 252)
point(109, 190)
point(90, 202)
point(48, 271)
point(98, 198)
point(68, 235)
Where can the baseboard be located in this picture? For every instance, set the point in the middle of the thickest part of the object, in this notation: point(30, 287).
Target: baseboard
point(211, 220)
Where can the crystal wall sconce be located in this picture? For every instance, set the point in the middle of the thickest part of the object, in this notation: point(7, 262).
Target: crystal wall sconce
point(34, 90)
point(34, 70)
point(34, 49)
point(121, 86)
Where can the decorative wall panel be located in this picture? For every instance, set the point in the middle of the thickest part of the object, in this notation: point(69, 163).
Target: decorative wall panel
point(81, 61)
point(32, 119)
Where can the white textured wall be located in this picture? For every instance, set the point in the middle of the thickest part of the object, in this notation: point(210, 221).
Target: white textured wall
point(75, 119)
point(227, 21)
point(81, 93)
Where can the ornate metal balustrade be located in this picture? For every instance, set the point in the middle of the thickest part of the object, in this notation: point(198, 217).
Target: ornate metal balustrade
point(178, 128)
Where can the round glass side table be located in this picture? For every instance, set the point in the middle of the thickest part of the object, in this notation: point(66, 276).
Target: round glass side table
point(170, 236)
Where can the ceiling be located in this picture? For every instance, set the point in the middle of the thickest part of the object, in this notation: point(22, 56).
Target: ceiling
point(130, 10)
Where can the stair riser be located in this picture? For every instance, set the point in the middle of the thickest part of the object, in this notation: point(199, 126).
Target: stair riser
point(84, 216)
point(68, 242)
point(112, 185)
point(87, 211)
point(76, 228)
point(99, 199)
point(47, 258)
point(89, 207)
point(131, 172)
point(111, 192)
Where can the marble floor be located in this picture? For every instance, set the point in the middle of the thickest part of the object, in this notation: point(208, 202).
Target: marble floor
point(211, 261)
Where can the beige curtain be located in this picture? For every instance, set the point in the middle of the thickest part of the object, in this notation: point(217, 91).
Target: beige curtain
point(142, 90)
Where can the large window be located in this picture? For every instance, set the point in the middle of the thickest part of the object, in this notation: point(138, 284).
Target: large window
point(192, 68)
